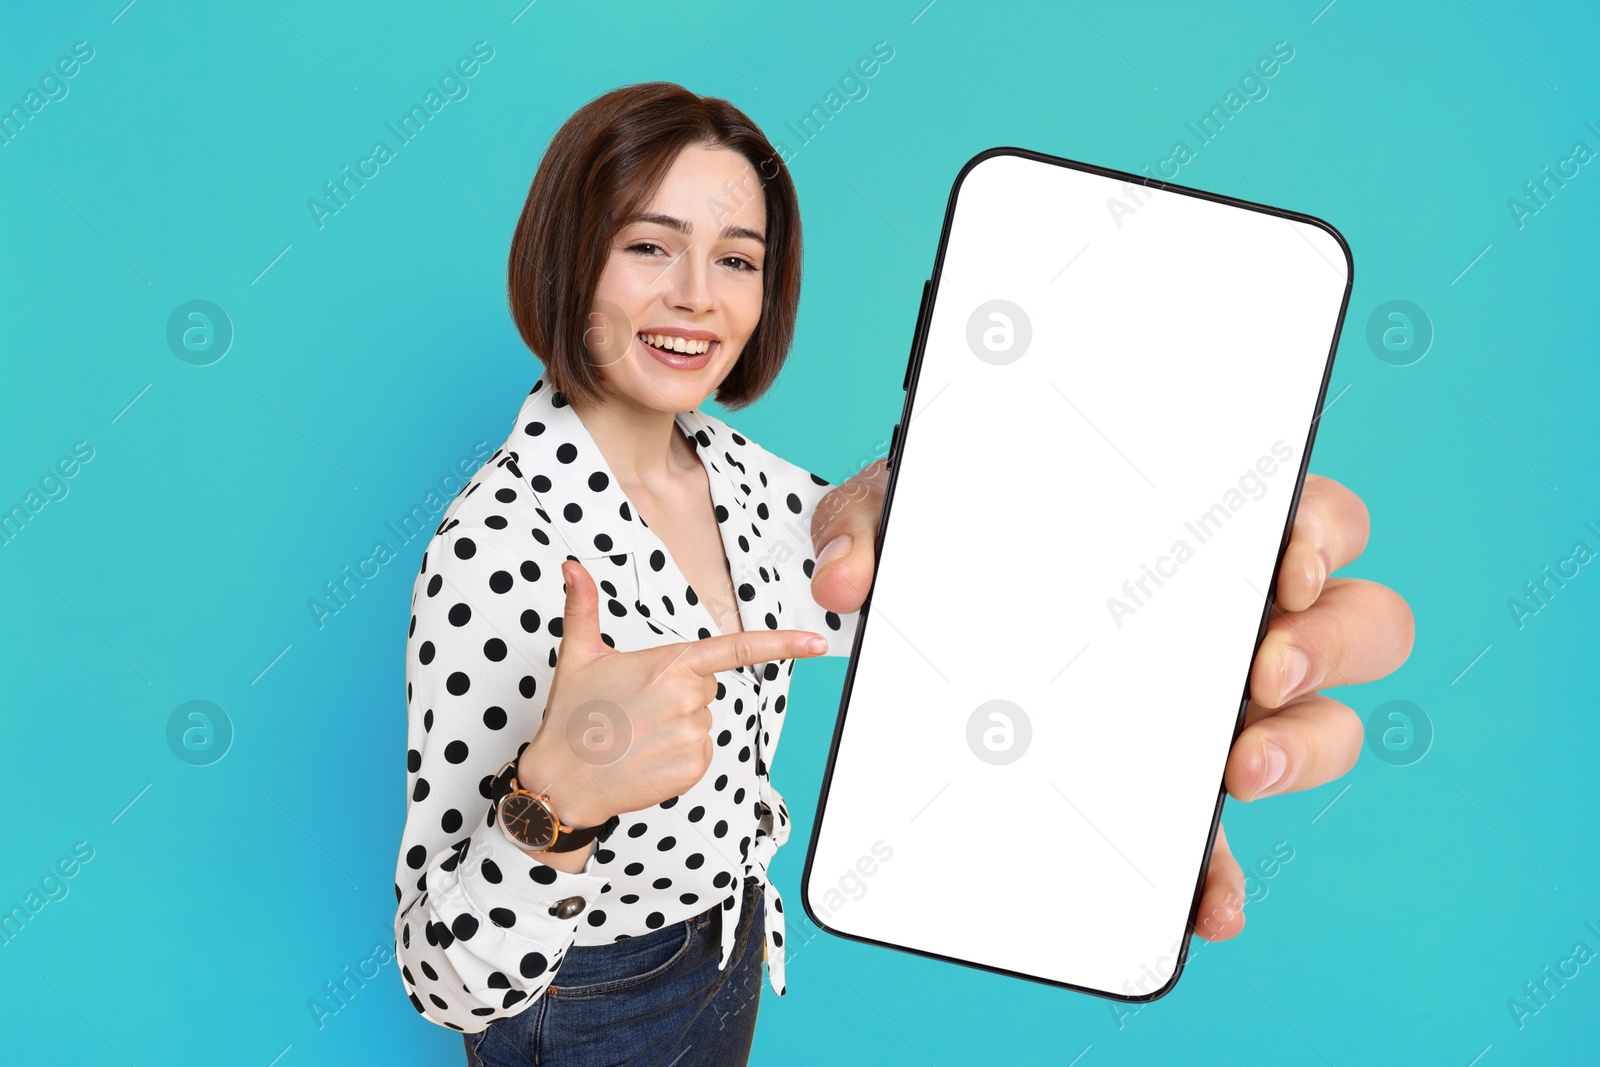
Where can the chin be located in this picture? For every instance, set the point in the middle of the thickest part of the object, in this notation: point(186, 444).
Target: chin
point(664, 388)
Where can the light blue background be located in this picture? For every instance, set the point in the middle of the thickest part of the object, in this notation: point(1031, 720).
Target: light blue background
point(372, 353)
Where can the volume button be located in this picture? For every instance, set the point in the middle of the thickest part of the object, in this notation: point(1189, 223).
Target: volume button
point(916, 332)
point(894, 442)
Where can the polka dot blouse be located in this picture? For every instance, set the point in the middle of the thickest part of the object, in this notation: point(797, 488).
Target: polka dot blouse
point(481, 926)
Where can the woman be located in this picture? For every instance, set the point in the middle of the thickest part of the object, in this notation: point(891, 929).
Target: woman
point(633, 696)
point(582, 874)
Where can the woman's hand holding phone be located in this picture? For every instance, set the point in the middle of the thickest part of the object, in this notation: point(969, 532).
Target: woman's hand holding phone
point(1324, 632)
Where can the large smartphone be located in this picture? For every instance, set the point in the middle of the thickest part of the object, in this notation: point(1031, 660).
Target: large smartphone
point(1113, 389)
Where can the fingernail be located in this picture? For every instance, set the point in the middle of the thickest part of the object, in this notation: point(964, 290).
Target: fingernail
point(816, 644)
point(1277, 761)
point(1298, 667)
point(834, 549)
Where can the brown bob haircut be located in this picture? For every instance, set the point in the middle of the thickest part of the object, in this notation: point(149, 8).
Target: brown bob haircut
point(599, 171)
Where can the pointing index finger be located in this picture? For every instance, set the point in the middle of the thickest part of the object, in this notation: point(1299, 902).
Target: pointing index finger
point(728, 651)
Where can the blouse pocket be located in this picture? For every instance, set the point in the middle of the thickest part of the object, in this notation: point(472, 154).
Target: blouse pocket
point(592, 970)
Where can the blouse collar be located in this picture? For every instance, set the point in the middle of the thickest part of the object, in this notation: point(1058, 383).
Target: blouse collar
point(576, 486)
point(554, 453)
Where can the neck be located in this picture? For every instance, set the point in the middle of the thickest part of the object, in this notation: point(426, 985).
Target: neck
point(641, 445)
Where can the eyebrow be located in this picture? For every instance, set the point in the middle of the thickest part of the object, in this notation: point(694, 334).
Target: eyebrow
point(686, 227)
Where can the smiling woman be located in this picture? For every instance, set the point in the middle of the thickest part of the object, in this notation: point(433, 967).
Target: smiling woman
point(602, 165)
point(583, 872)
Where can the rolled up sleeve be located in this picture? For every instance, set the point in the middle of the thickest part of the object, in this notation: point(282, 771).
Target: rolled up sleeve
point(478, 928)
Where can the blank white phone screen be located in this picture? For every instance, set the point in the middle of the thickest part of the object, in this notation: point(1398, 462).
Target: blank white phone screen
point(1102, 448)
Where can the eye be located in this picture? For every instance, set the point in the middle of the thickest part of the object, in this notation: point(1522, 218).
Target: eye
point(739, 263)
point(638, 245)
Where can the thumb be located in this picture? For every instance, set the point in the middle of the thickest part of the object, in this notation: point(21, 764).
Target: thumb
point(844, 531)
point(580, 621)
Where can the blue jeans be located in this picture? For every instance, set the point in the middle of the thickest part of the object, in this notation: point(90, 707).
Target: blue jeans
point(656, 999)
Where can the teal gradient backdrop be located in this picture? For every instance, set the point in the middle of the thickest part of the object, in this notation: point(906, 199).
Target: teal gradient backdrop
point(373, 350)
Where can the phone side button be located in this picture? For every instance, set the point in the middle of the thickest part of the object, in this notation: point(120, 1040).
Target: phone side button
point(894, 442)
point(916, 331)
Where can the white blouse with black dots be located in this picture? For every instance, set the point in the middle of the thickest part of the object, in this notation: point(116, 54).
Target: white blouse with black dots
point(476, 928)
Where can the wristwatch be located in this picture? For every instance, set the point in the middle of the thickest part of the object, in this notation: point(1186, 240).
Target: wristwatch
point(530, 823)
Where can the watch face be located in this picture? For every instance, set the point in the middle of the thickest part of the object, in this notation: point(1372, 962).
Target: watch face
point(527, 820)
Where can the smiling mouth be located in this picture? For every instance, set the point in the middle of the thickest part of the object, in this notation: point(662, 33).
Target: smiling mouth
point(675, 346)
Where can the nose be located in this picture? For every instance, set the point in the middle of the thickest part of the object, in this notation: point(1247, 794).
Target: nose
point(689, 283)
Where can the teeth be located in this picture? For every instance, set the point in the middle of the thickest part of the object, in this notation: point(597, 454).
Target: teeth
point(676, 344)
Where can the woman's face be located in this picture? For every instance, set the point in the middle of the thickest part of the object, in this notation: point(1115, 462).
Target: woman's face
point(681, 289)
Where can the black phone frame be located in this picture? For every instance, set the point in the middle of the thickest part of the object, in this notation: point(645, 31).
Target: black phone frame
point(930, 291)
